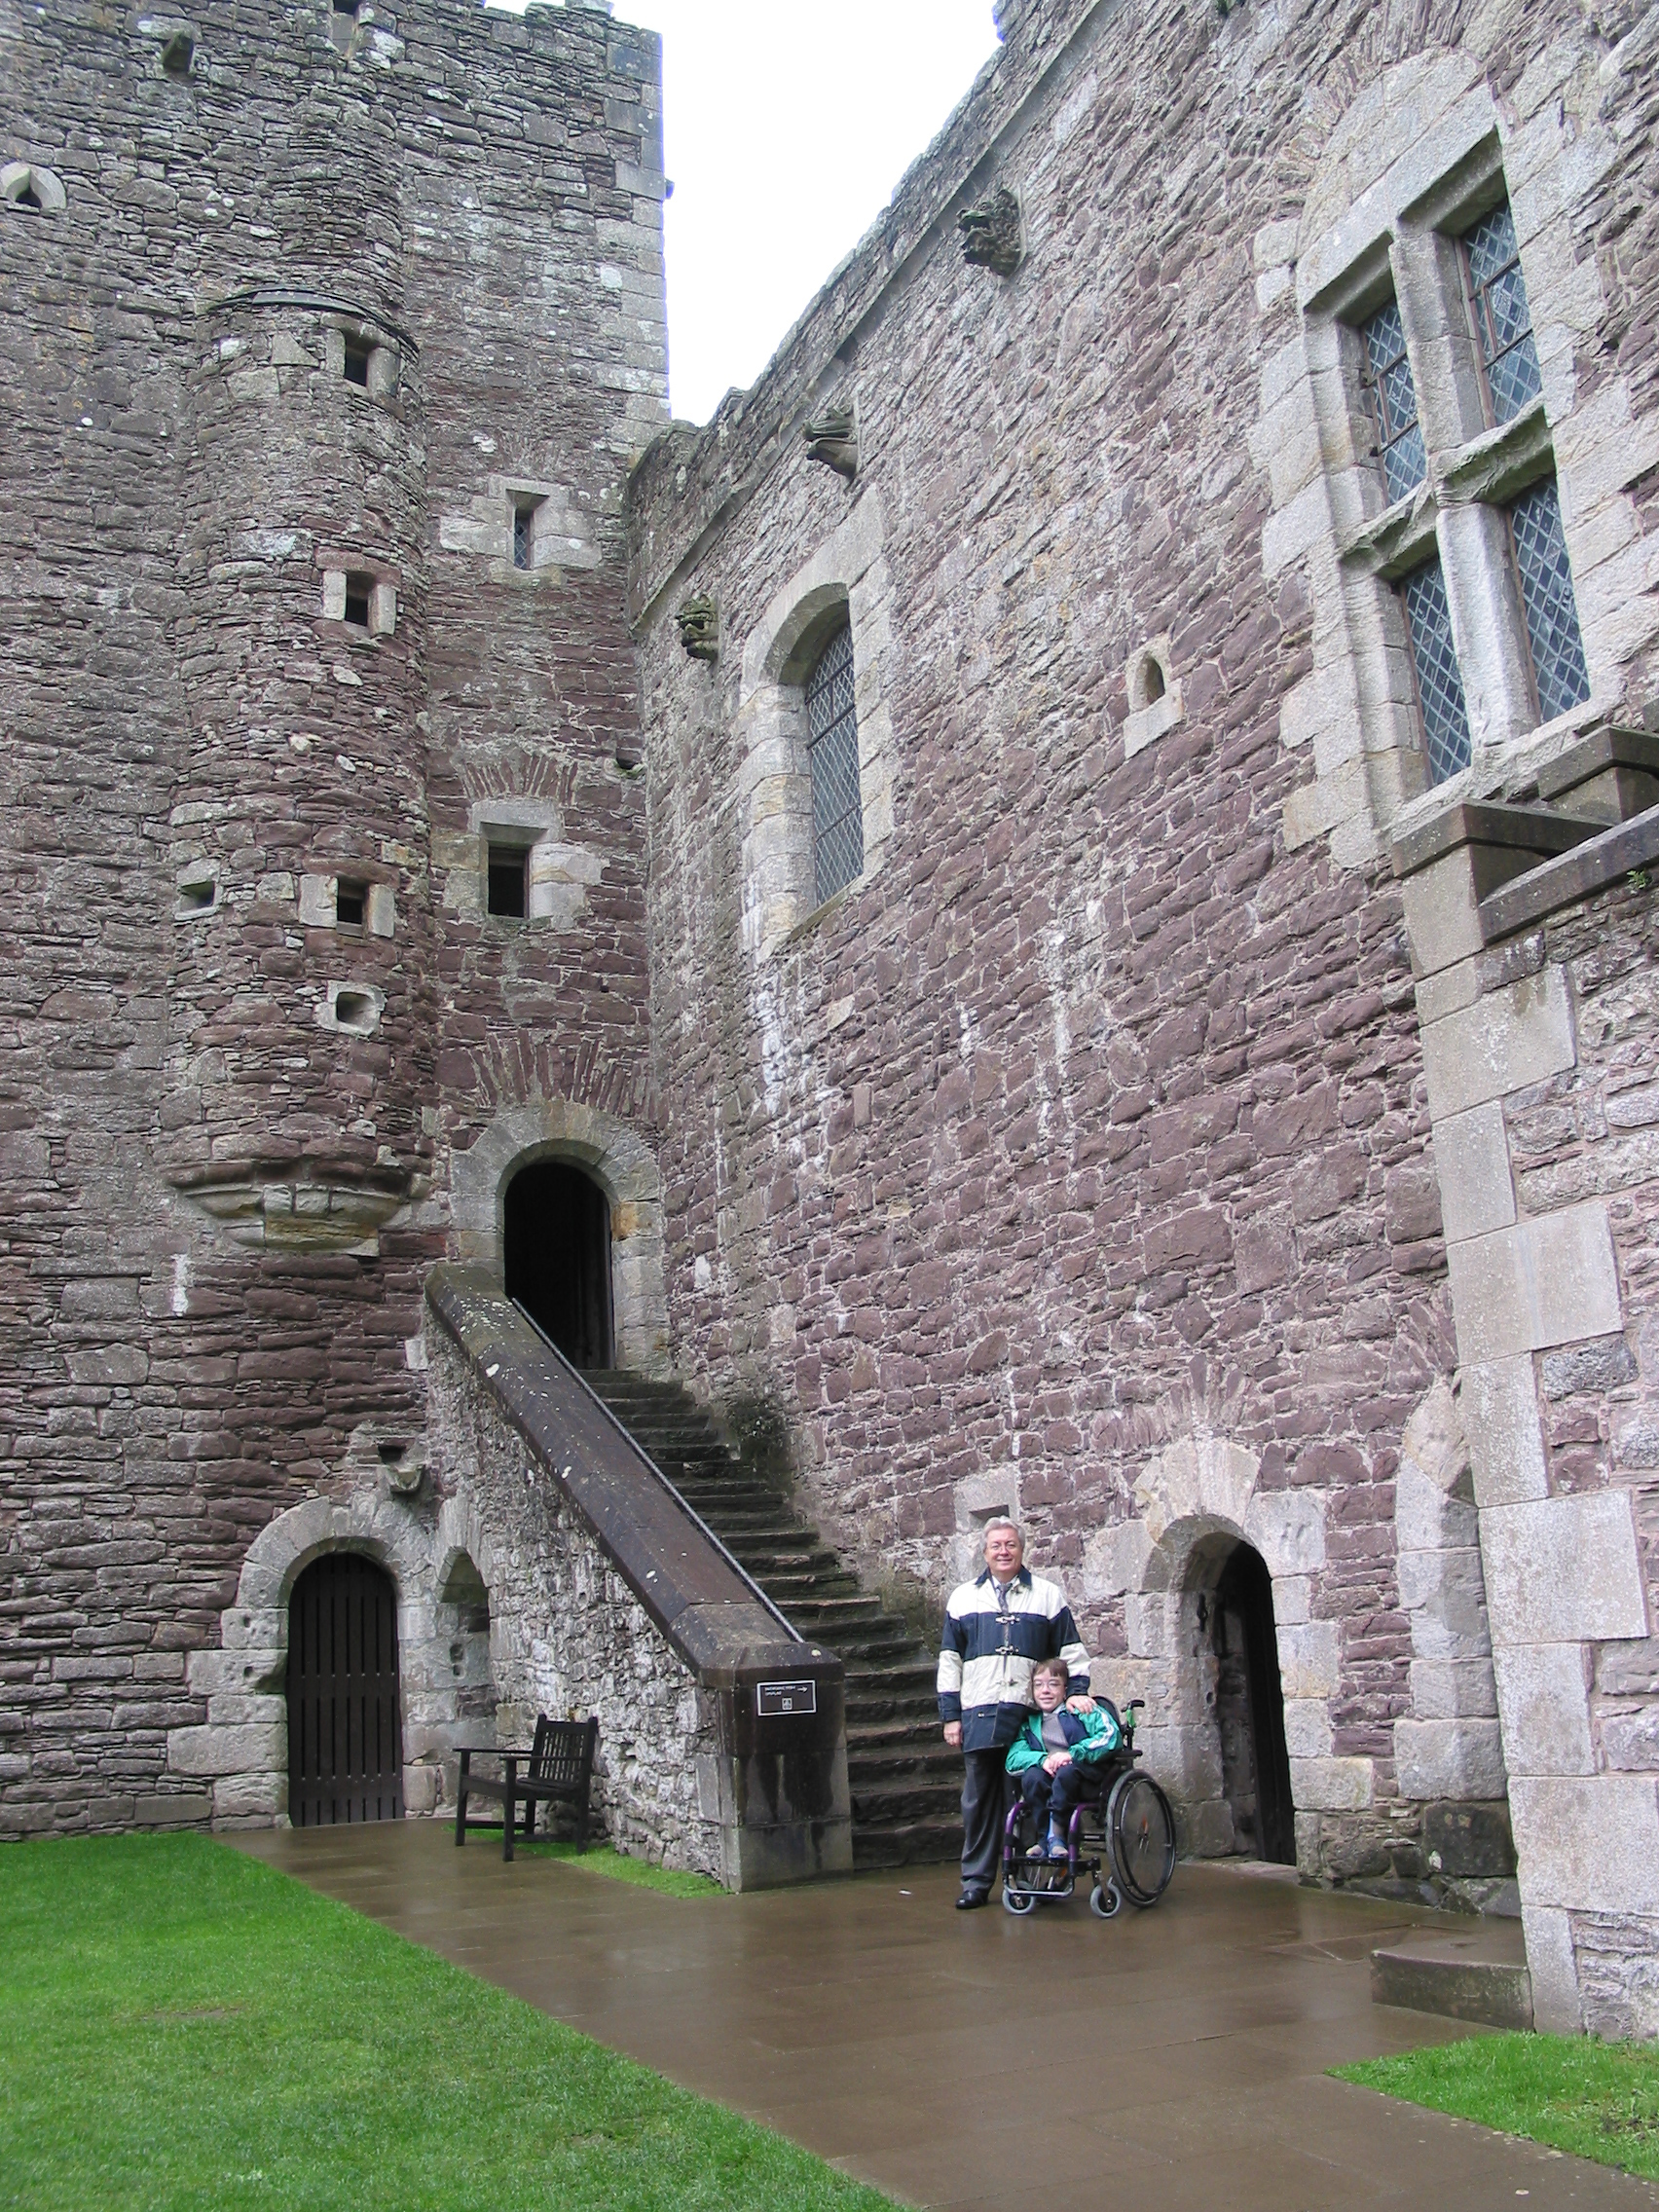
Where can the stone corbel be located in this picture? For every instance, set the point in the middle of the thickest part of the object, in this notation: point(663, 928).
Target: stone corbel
point(832, 438)
point(698, 618)
point(992, 232)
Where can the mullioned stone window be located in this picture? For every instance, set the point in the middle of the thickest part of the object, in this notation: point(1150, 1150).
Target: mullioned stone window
point(1459, 541)
point(1460, 514)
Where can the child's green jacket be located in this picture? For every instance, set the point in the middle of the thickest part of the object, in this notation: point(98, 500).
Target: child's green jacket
point(1089, 1736)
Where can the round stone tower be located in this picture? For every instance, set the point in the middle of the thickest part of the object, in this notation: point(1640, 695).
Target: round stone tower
point(297, 836)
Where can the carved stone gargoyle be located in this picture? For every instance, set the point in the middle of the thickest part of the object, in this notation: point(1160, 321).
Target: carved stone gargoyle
point(699, 627)
point(990, 233)
point(832, 438)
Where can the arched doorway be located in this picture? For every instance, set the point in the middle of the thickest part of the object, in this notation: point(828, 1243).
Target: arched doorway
point(557, 1254)
point(344, 1738)
point(1249, 1707)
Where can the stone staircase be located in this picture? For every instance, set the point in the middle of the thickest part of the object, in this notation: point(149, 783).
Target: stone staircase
point(905, 1785)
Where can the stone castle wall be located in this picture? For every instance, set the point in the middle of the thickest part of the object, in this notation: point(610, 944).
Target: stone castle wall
point(228, 1109)
point(1077, 1159)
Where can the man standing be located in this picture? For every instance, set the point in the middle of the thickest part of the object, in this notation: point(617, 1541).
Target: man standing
point(996, 1628)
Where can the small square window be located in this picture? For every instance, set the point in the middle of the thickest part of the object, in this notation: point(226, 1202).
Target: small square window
point(508, 882)
point(351, 904)
point(197, 897)
point(359, 589)
point(357, 363)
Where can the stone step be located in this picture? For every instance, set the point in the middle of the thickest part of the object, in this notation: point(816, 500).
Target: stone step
point(849, 1608)
point(1463, 1972)
point(909, 1843)
point(918, 1764)
point(787, 1559)
point(900, 1804)
point(872, 1642)
point(897, 1729)
point(906, 1784)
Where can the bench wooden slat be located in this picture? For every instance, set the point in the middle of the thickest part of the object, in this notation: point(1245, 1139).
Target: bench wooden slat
point(557, 1769)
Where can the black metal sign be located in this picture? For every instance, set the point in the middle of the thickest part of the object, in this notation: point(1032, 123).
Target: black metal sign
point(774, 1698)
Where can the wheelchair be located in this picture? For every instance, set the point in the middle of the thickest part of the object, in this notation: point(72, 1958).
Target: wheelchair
point(1120, 1839)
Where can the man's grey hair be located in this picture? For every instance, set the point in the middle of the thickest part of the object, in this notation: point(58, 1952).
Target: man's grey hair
point(1002, 1521)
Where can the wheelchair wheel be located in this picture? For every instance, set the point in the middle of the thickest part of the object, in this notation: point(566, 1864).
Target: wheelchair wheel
point(1105, 1900)
point(1141, 1829)
point(1017, 1901)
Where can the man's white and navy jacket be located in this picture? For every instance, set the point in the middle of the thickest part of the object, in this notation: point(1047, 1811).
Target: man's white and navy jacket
point(987, 1653)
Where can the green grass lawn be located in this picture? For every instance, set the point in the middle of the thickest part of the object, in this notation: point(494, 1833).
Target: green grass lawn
point(1598, 2100)
point(599, 1859)
point(184, 2027)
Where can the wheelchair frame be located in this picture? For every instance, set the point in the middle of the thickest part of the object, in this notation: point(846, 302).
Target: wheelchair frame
point(1134, 1830)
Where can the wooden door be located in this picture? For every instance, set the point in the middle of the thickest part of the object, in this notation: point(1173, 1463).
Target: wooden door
point(345, 1742)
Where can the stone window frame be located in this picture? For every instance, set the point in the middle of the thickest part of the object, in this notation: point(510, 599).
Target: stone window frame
point(847, 580)
point(1156, 705)
point(45, 185)
point(196, 896)
point(319, 895)
point(1459, 512)
point(355, 1009)
point(1381, 218)
point(337, 581)
point(384, 362)
point(558, 875)
point(561, 534)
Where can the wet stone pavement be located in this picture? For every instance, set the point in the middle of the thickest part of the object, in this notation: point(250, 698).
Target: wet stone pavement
point(1173, 2058)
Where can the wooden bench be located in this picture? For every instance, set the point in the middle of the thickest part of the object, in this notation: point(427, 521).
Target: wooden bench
point(556, 1770)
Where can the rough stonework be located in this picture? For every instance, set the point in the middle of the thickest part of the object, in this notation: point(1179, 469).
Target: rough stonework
point(1193, 1128)
point(1082, 1158)
point(568, 1635)
point(307, 324)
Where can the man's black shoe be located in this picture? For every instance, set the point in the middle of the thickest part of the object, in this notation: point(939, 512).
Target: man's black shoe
point(970, 1900)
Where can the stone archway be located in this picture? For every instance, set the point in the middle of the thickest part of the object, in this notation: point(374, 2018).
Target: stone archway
point(614, 1155)
point(1198, 1500)
point(241, 1753)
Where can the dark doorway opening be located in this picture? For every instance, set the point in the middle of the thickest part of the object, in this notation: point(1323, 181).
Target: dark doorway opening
point(345, 1740)
point(556, 1249)
point(1250, 1709)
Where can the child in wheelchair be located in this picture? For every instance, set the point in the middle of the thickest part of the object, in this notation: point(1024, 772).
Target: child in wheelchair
point(1056, 1756)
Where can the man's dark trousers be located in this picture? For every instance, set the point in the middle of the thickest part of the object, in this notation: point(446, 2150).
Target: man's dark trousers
point(984, 1807)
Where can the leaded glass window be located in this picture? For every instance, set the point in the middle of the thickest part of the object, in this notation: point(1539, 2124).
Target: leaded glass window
point(1503, 321)
point(1439, 679)
point(1387, 378)
point(1546, 594)
point(832, 753)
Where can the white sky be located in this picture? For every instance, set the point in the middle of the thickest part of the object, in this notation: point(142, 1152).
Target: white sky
point(787, 127)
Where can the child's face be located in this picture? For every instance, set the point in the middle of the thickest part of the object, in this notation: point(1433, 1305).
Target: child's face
point(1050, 1692)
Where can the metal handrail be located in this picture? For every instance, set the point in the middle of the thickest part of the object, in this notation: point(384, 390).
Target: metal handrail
point(685, 1504)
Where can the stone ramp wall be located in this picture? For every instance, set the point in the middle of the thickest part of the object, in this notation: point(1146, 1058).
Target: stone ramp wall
point(608, 1596)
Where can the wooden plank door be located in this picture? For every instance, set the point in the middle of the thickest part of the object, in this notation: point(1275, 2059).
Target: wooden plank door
point(345, 1742)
